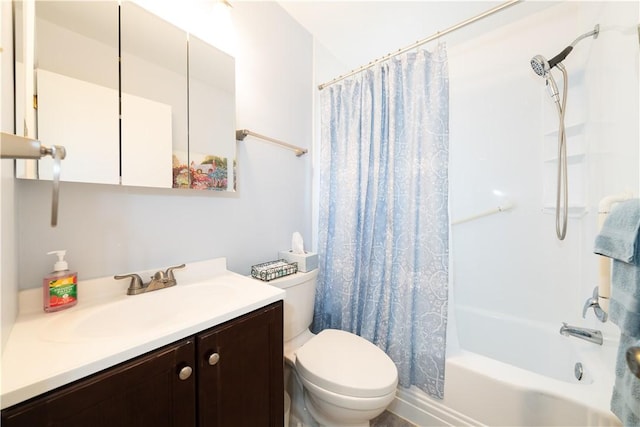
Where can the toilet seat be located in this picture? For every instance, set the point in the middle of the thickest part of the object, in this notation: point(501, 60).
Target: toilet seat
point(346, 364)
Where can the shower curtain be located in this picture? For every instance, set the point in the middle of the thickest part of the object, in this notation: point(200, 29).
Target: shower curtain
point(383, 216)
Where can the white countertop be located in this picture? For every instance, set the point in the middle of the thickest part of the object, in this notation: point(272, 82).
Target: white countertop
point(106, 327)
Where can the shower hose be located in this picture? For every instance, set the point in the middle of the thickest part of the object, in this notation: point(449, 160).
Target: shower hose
point(562, 198)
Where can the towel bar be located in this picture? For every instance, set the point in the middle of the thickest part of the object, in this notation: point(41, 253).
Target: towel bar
point(242, 134)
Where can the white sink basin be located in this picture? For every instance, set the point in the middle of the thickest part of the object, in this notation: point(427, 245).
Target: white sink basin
point(134, 315)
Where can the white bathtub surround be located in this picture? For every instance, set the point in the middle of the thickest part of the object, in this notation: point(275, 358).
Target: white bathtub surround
point(383, 214)
point(107, 326)
point(510, 269)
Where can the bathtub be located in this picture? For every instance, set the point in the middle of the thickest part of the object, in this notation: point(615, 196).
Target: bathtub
point(520, 374)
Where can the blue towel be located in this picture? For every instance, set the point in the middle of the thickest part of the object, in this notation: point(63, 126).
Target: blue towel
point(625, 401)
point(624, 305)
point(620, 239)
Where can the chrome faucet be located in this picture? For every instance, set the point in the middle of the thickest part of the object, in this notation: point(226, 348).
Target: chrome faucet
point(160, 280)
point(586, 334)
point(593, 302)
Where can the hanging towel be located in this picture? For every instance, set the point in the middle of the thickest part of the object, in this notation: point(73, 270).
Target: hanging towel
point(619, 239)
point(624, 307)
point(625, 400)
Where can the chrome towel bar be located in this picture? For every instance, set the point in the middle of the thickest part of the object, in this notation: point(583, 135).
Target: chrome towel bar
point(241, 134)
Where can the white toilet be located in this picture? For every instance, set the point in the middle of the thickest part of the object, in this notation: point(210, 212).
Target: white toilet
point(347, 380)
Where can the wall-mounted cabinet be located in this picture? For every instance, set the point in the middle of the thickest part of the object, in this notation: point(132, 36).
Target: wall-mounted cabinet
point(154, 96)
point(134, 99)
point(76, 83)
point(211, 83)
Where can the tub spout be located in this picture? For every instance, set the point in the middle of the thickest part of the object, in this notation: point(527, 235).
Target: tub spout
point(586, 334)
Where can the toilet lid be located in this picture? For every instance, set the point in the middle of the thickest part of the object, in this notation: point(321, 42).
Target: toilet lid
point(344, 363)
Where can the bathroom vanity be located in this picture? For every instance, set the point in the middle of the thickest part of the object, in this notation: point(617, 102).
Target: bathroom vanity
point(211, 364)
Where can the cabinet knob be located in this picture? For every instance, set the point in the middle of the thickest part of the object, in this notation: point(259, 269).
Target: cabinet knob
point(214, 358)
point(185, 373)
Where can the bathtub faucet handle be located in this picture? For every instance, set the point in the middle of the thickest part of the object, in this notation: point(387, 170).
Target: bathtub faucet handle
point(593, 302)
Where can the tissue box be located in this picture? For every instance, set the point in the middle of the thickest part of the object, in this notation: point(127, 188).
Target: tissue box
point(306, 262)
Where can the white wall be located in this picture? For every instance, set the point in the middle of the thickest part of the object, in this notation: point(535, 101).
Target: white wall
point(326, 67)
point(502, 136)
point(109, 230)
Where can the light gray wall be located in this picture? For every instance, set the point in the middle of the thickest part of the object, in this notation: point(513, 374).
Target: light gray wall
point(108, 230)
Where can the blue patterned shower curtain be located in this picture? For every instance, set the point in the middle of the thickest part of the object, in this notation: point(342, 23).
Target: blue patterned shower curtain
point(383, 219)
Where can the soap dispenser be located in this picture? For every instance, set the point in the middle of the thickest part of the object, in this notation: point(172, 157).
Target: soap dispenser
point(60, 287)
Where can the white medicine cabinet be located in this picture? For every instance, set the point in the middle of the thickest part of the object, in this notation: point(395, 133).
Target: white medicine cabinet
point(135, 100)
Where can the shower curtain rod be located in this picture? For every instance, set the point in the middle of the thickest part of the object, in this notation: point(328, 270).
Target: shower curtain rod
point(423, 41)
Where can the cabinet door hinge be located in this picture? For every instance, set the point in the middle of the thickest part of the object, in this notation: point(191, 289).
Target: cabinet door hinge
point(35, 102)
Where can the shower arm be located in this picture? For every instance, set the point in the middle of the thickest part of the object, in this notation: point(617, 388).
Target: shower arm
point(19, 147)
point(556, 60)
point(594, 33)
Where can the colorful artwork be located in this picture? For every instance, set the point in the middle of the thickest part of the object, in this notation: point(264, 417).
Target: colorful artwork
point(208, 174)
point(180, 173)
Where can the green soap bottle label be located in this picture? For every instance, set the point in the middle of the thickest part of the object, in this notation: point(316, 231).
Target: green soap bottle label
point(63, 291)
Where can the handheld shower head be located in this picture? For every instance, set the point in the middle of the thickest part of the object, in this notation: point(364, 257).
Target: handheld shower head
point(540, 65)
point(542, 68)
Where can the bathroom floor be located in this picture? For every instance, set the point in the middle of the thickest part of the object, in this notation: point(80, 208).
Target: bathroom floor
point(388, 419)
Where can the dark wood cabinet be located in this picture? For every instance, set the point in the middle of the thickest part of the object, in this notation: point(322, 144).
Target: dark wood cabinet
point(240, 377)
point(141, 392)
point(230, 375)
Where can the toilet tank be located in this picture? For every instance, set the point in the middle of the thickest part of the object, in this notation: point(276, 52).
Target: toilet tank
point(300, 295)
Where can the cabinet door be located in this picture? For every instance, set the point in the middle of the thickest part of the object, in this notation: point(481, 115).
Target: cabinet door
point(76, 52)
point(243, 384)
point(144, 392)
